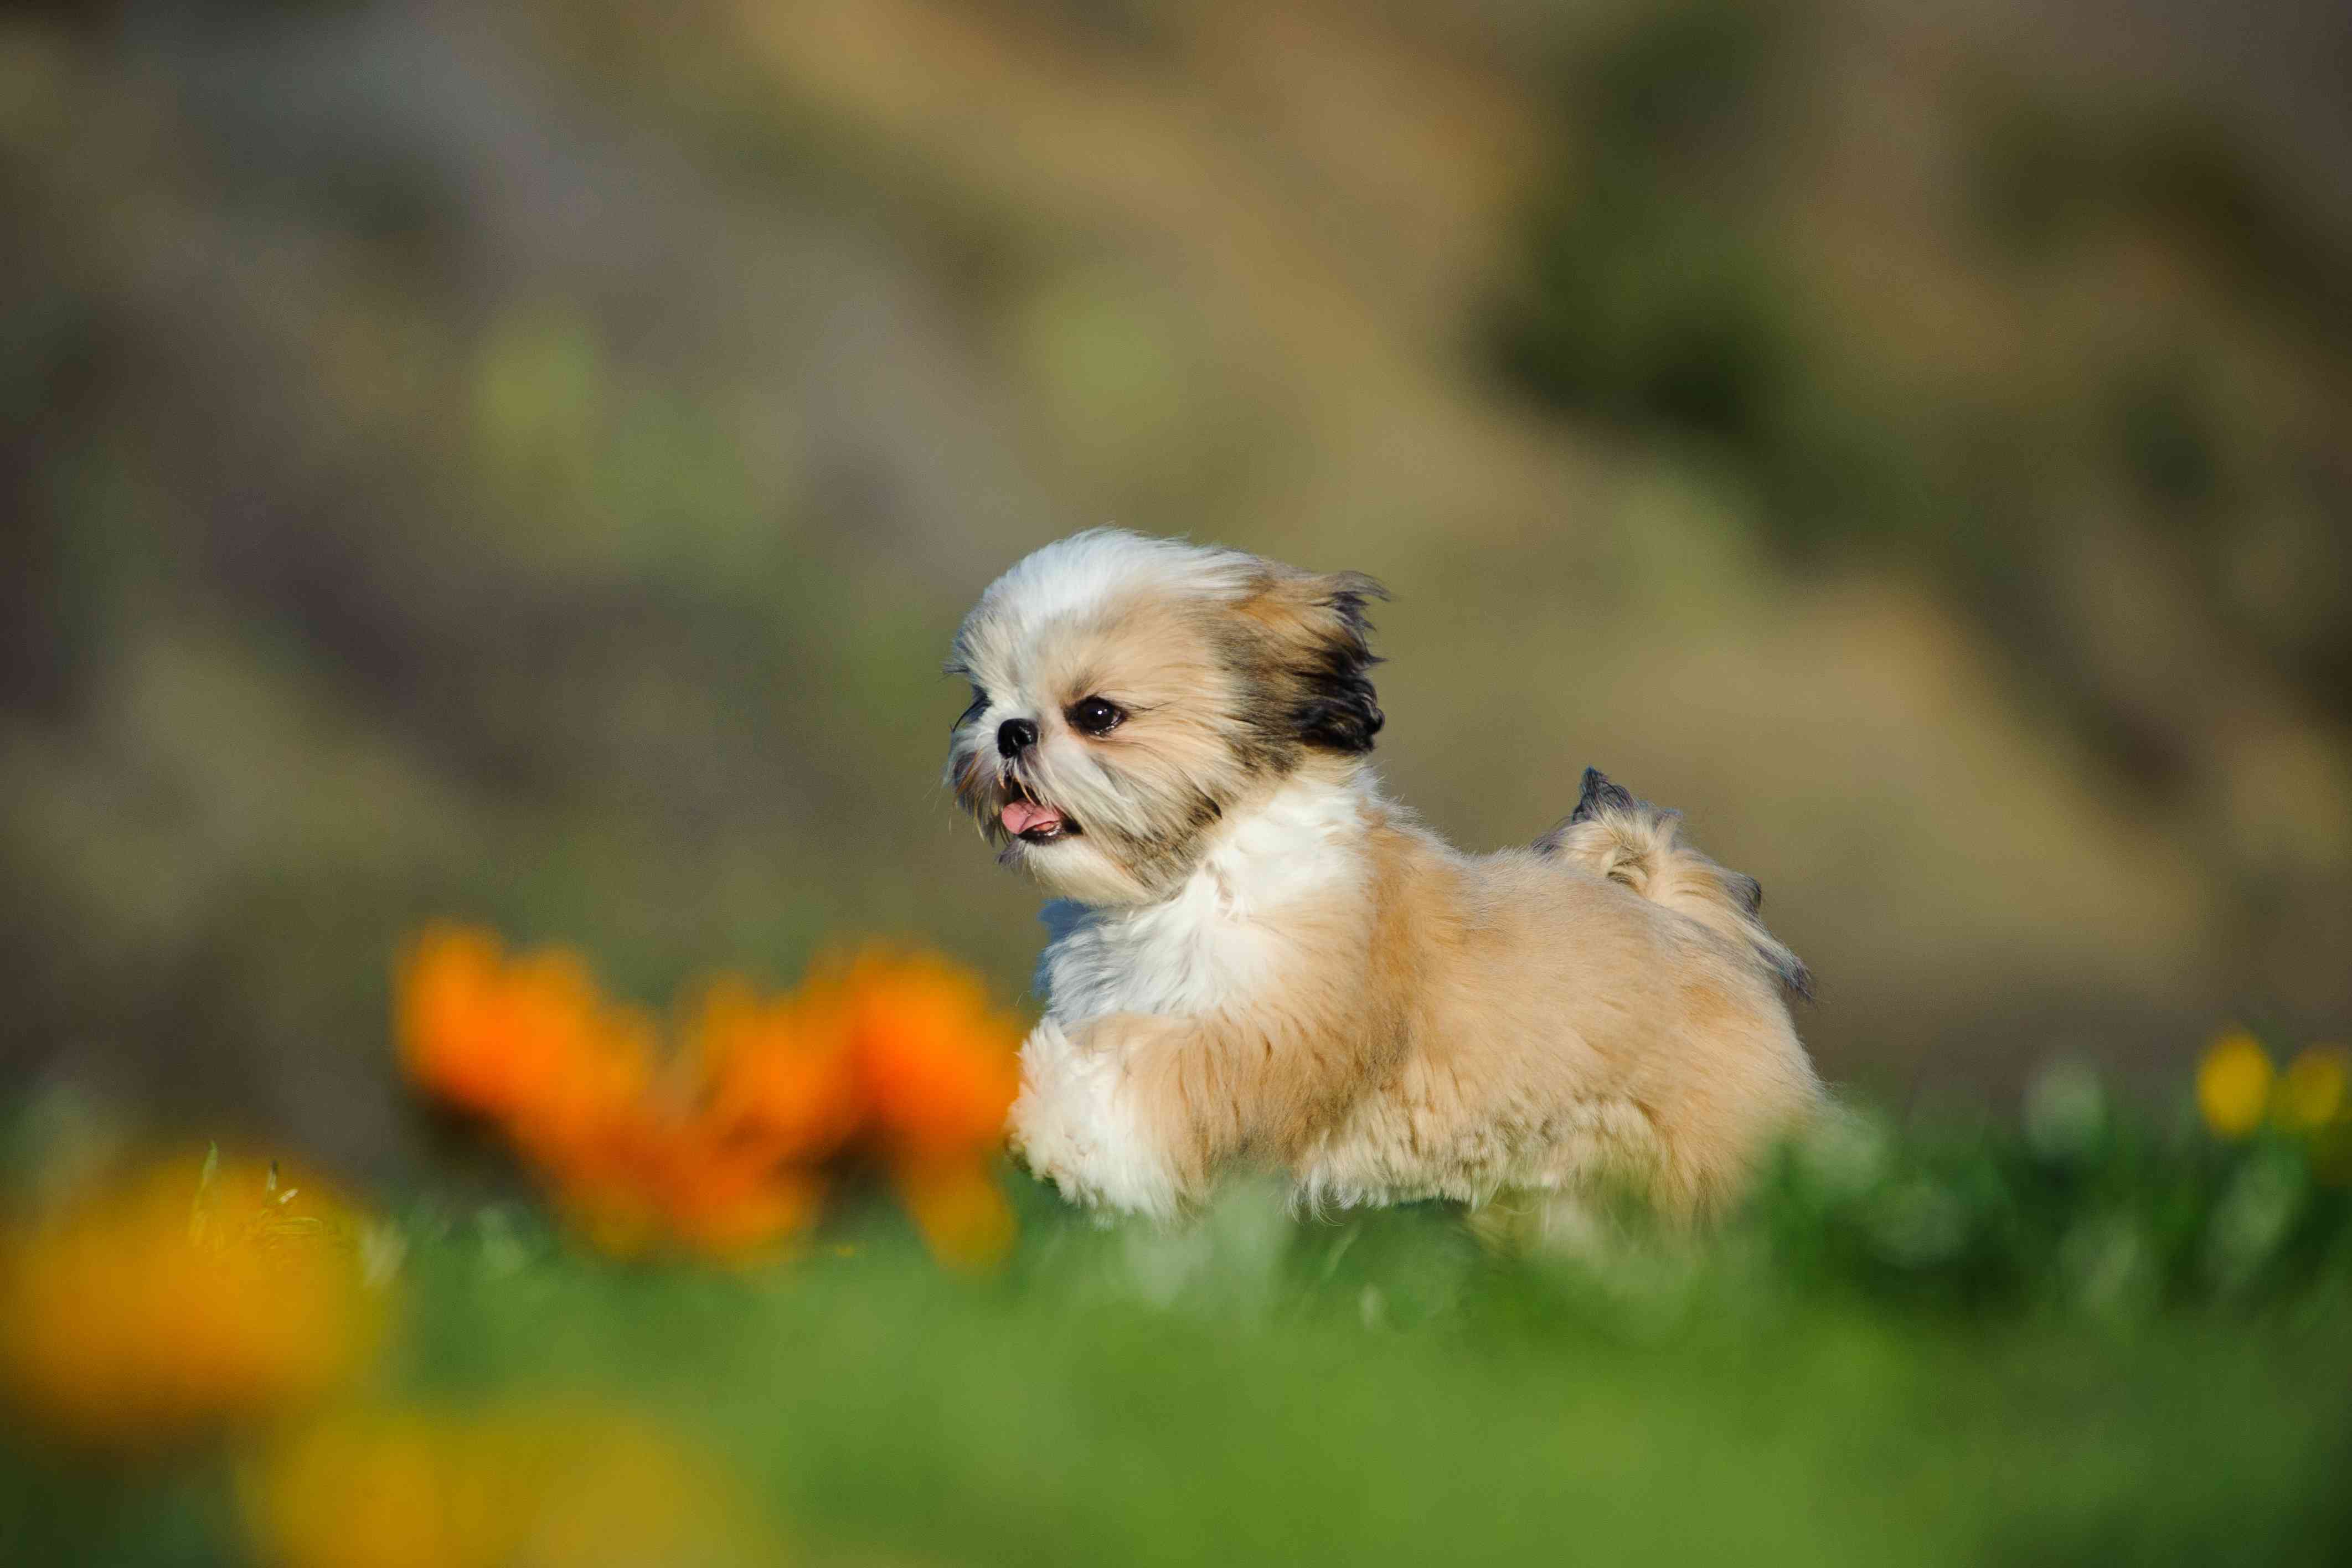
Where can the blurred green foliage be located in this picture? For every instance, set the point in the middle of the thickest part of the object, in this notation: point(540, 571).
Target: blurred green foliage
point(1651, 295)
point(1664, 287)
point(2088, 1336)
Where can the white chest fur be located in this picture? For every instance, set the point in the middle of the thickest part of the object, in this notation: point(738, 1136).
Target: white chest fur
point(1230, 934)
point(1226, 934)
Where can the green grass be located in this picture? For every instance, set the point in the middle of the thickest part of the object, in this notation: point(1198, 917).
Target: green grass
point(2095, 1340)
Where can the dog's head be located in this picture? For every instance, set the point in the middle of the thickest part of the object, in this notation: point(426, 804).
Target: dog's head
point(1128, 692)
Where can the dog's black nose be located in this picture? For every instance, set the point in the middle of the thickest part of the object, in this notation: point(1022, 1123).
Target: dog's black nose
point(1014, 736)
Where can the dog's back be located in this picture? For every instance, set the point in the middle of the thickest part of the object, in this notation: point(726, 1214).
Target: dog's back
point(1561, 1034)
point(1628, 841)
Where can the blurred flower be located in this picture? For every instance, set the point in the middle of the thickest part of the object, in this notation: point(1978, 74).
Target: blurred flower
point(1847, 1152)
point(723, 1146)
point(2107, 1264)
point(960, 1209)
point(2253, 1215)
point(654, 1178)
point(939, 1066)
point(1920, 1223)
point(191, 1293)
point(503, 1036)
point(555, 1485)
point(2233, 1084)
point(2311, 1092)
point(2065, 1112)
point(781, 1072)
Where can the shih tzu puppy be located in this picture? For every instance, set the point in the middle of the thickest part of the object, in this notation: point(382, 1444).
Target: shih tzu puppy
point(1262, 960)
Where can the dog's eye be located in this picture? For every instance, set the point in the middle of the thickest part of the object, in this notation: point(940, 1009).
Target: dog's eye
point(1094, 715)
point(979, 706)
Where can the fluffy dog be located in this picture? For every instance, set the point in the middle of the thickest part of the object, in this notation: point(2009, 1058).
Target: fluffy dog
point(1263, 960)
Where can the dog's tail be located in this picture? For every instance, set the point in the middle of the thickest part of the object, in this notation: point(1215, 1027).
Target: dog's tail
point(1612, 835)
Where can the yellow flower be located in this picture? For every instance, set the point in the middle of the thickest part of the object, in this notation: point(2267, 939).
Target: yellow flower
point(560, 1486)
point(2310, 1093)
point(2233, 1084)
point(194, 1293)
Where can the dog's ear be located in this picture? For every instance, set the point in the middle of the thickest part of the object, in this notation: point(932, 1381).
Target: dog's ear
point(1600, 795)
point(1797, 977)
point(1745, 889)
point(1318, 653)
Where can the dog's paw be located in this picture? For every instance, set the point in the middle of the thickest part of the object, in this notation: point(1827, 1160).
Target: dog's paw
point(1045, 1130)
point(1048, 1051)
point(1073, 1125)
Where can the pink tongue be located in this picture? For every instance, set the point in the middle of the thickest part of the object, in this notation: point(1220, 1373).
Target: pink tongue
point(1021, 816)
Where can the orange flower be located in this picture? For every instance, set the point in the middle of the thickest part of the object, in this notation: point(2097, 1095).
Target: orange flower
point(496, 1037)
point(725, 1206)
point(653, 1177)
point(193, 1293)
point(721, 1150)
point(440, 1488)
point(960, 1209)
point(780, 1074)
point(595, 1099)
point(609, 1172)
point(939, 1066)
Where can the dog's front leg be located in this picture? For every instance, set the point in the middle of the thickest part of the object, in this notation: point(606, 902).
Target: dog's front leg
point(1088, 1121)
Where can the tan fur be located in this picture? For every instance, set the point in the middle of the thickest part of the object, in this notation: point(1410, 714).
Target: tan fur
point(1277, 966)
point(1493, 1029)
point(1632, 842)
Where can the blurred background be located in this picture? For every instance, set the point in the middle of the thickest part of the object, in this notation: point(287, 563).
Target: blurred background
point(526, 462)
